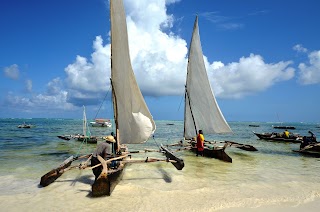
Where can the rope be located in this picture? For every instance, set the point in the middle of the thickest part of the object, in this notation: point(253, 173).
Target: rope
point(102, 102)
point(180, 103)
point(84, 141)
point(155, 141)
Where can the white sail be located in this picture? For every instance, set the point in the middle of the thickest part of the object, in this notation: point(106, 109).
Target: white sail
point(133, 120)
point(84, 120)
point(86, 131)
point(201, 108)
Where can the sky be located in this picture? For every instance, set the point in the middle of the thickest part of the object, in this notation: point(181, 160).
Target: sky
point(262, 57)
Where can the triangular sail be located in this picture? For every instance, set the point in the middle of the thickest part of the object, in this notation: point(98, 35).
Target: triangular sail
point(86, 131)
point(201, 108)
point(133, 120)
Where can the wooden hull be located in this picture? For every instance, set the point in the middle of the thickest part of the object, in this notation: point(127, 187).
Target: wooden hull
point(104, 186)
point(217, 152)
point(90, 140)
point(311, 149)
point(284, 127)
point(271, 137)
point(64, 137)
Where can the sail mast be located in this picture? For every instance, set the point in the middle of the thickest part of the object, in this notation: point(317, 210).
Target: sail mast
point(194, 123)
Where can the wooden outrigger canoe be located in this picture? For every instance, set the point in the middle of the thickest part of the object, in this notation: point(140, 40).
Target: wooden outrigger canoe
point(213, 149)
point(278, 138)
point(112, 169)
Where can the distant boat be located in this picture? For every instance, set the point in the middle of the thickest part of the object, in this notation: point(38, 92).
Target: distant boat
point(294, 138)
point(24, 125)
point(284, 127)
point(64, 137)
point(170, 124)
point(254, 125)
point(101, 123)
point(86, 136)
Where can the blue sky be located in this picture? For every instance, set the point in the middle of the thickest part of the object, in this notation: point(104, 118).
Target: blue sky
point(262, 57)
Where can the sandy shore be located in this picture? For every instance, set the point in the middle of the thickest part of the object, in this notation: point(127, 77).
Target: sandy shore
point(145, 190)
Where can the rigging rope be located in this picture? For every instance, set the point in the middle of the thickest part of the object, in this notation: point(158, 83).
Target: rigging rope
point(102, 102)
point(155, 141)
point(180, 102)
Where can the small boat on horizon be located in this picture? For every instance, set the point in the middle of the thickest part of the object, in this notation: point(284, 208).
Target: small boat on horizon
point(284, 127)
point(24, 125)
point(101, 123)
point(254, 125)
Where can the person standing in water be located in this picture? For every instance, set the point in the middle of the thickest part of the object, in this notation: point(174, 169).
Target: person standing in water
point(200, 143)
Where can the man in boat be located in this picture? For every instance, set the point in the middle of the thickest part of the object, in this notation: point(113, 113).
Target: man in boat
point(305, 142)
point(313, 136)
point(200, 143)
point(286, 133)
point(104, 149)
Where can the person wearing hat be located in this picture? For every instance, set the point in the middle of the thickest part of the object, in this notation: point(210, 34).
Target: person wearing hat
point(103, 149)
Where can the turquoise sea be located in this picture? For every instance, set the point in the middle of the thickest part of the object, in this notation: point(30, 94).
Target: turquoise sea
point(273, 179)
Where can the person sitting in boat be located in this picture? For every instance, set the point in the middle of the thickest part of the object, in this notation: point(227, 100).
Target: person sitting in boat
point(104, 150)
point(200, 143)
point(286, 133)
point(305, 142)
point(313, 137)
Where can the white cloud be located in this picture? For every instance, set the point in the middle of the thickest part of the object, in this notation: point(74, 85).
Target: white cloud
point(300, 48)
point(159, 60)
point(54, 87)
point(43, 101)
point(28, 85)
point(90, 75)
point(249, 75)
point(12, 72)
point(310, 73)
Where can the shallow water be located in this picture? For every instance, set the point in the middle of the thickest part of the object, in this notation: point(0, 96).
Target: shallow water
point(273, 179)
